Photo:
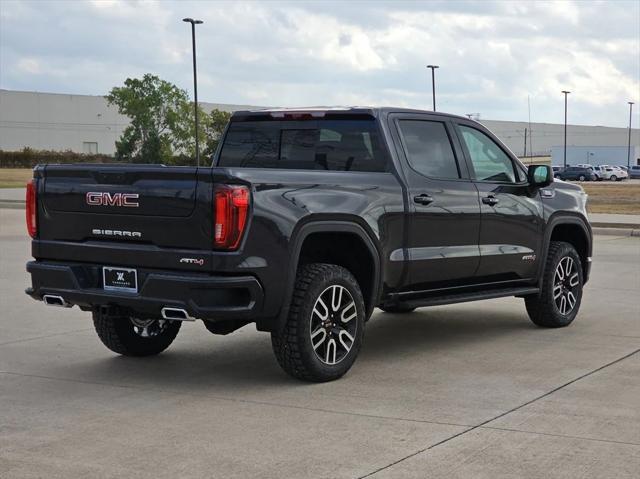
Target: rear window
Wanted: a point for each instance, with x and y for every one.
(335, 145)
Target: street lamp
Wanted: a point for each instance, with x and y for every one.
(629, 144)
(433, 83)
(195, 78)
(565, 126)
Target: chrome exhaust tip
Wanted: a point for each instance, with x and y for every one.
(175, 314)
(55, 300)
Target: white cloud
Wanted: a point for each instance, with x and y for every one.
(491, 54)
(29, 65)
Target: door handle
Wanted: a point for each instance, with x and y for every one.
(490, 200)
(423, 199)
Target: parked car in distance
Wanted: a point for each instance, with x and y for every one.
(557, 170)
(620, 173)
(577, 173)
(600, 172)
(634, 172)
(612, 173)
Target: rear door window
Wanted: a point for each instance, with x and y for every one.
(429, 149)
(335, 145)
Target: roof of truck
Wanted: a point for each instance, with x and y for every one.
(322, 111)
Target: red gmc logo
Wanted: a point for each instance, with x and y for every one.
(102, 198)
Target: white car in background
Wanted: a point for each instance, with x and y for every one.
(600, 172)
(624, 174)
(612, 173)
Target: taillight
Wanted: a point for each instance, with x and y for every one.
(32, 209)
(231, 211)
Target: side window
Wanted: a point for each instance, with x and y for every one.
(429, 149)
(489, 161)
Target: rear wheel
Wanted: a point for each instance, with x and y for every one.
(323, 332)
(581, 178)
(131, 336)
(559, 300)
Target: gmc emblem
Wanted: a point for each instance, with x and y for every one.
(102, 198)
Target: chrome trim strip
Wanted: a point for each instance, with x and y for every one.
(462, 251)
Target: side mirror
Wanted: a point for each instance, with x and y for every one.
(540, 175)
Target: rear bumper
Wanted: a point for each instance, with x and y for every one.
(203, 296)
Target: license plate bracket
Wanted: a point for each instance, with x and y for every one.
(119, 279)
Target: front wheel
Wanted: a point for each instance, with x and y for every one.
(581, 178)
(323, 332)
(613, 178)
(559, 300)
(132, 336)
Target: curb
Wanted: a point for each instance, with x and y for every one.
(13, 204)
(617, 231)
(601, 224)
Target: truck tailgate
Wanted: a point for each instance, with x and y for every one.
(126, 209)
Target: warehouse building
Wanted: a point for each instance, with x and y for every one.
(87, 124)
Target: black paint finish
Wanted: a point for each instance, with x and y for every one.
(452, 240)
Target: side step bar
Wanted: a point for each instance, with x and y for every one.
(467, 296)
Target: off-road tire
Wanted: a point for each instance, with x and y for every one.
(542, 308)
(292, 344)
(118, 334)
(398, 309)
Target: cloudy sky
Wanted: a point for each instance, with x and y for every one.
(492, 55)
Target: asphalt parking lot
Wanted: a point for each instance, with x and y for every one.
(472, 390)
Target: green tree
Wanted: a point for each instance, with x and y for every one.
(214, 124)
(159, 124)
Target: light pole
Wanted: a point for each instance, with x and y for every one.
(433, 83)
(629, 144)
(565, 126)
(195, 78)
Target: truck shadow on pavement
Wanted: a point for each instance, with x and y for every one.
(245, 359)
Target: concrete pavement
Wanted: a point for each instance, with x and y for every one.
(12, 194)
(472, 390)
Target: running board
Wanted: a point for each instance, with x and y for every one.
(468, 296)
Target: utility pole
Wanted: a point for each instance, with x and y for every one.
(433, 83)
(525, 143)
(195, 79)
(565, 126)
(629, 144)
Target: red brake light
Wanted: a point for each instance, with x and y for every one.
(32, 208)
(231, 210)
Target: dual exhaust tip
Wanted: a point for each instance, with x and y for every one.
(55, 300)
(176, 314)
(173, 314)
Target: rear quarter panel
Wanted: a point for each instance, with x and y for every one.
(284, 200)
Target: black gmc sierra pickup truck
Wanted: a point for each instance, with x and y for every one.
(307, 221)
